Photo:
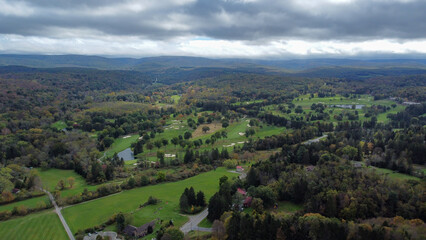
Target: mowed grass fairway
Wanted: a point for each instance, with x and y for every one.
(37, 226)
(95, 212)
(121, 144)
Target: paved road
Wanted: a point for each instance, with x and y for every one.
(58, 211)
(315, 140)
(194, 220)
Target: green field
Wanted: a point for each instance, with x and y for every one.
(394, 175)
(288, 207)
(29, 203)
(37, 226)
(95, 212)
(51, 177)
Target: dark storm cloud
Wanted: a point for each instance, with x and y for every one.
(229, 20)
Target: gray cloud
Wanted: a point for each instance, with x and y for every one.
(229, 20)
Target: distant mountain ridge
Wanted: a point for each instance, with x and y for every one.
(166, 62)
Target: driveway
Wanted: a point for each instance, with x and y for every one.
(194, 220)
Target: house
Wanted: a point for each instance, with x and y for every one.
(141, 231)
(240, 169)
(241, 191)
(247, 202)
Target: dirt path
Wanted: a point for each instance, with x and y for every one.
(58, 211)
(194, 220)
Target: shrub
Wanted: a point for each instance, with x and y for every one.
(230, 164)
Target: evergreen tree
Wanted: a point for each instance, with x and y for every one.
(201, 199)
(183, 203)
(217, 206)
(192, 201)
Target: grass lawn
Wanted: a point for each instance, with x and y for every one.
(37, 226)
(29, 203)
(288, 207)
(205, 223)
(394, 175)
(95, 212)
(59, 125)
(121, 144)
(51, 177)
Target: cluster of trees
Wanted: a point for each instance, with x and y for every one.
(24, 181)
(221, 201)
(336, 189)
(206, 156)
(189, 202)
(277, 141)
(23, 210)
(86, 195)
(313, 226)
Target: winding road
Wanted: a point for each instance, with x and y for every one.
(58, 211)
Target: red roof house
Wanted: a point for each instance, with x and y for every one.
(241, 191)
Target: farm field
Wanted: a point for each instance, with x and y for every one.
(98, 211)
(29, 203)
(37, 226)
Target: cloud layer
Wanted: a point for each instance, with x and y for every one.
(228, 28)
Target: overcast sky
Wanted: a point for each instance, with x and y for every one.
(214, 28)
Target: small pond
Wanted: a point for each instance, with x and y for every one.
(126, 155)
